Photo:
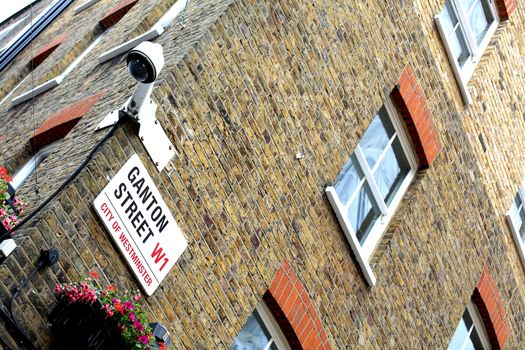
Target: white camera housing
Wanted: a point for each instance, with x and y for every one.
(144, 64)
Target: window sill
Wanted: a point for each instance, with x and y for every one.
(360, 255)
(158, 28)
(128, 45)
(84, 6)
(48, 85)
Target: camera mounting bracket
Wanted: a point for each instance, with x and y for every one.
(153, 137)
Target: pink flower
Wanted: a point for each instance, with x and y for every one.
(128, 305)
(136, 297)
(132, 316)
(143, 339)
(138, 326)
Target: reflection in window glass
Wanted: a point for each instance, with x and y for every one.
(380, 161)
(470, 333)
(261, 332)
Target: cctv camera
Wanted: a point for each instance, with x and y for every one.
(145, 62)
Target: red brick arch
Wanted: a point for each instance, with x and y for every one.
(60, 124)
(116, 13)
(410, 101)
(294, 312)
(490, 307)
(46, 50)
(505, 8)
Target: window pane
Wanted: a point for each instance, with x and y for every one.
(454, 33)
(348, 180)
(474, 341)
(479, 19)
(459, 46)
(448, 18)
(459, 336)
(391, 172)
(254, 335)
(466, 4)
(362, 213)
(517, 214)
(376, 137)
(462, 339)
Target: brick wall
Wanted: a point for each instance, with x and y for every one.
(241, 94)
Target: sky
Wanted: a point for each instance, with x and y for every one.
(10, 7)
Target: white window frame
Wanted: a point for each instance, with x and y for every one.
(477, 323)
(514, 227)
(273, 327)
(86, 4)
(365, 252)
(464, 74)
(6, 97)
(156, 30)
(31, 165)
(50, 84)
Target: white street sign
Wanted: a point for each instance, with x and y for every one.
(141, 224)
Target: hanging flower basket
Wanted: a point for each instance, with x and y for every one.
(104, 318)
(10, 207)
(84, 327)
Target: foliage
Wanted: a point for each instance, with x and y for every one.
(8, 217)
(122, 307)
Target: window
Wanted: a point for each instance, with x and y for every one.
(48, 85)
(155, 31)
(35, 26)
(466, 27)
(368, 190)
(31, 165)
(470, 333)
(261, 332)
(516, 219)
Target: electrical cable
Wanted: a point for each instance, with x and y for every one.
(68, 180)
(47, 258)
(19, 289)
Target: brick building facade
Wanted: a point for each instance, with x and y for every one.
(265, 102)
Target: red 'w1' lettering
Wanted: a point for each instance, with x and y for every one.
(158, 252)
